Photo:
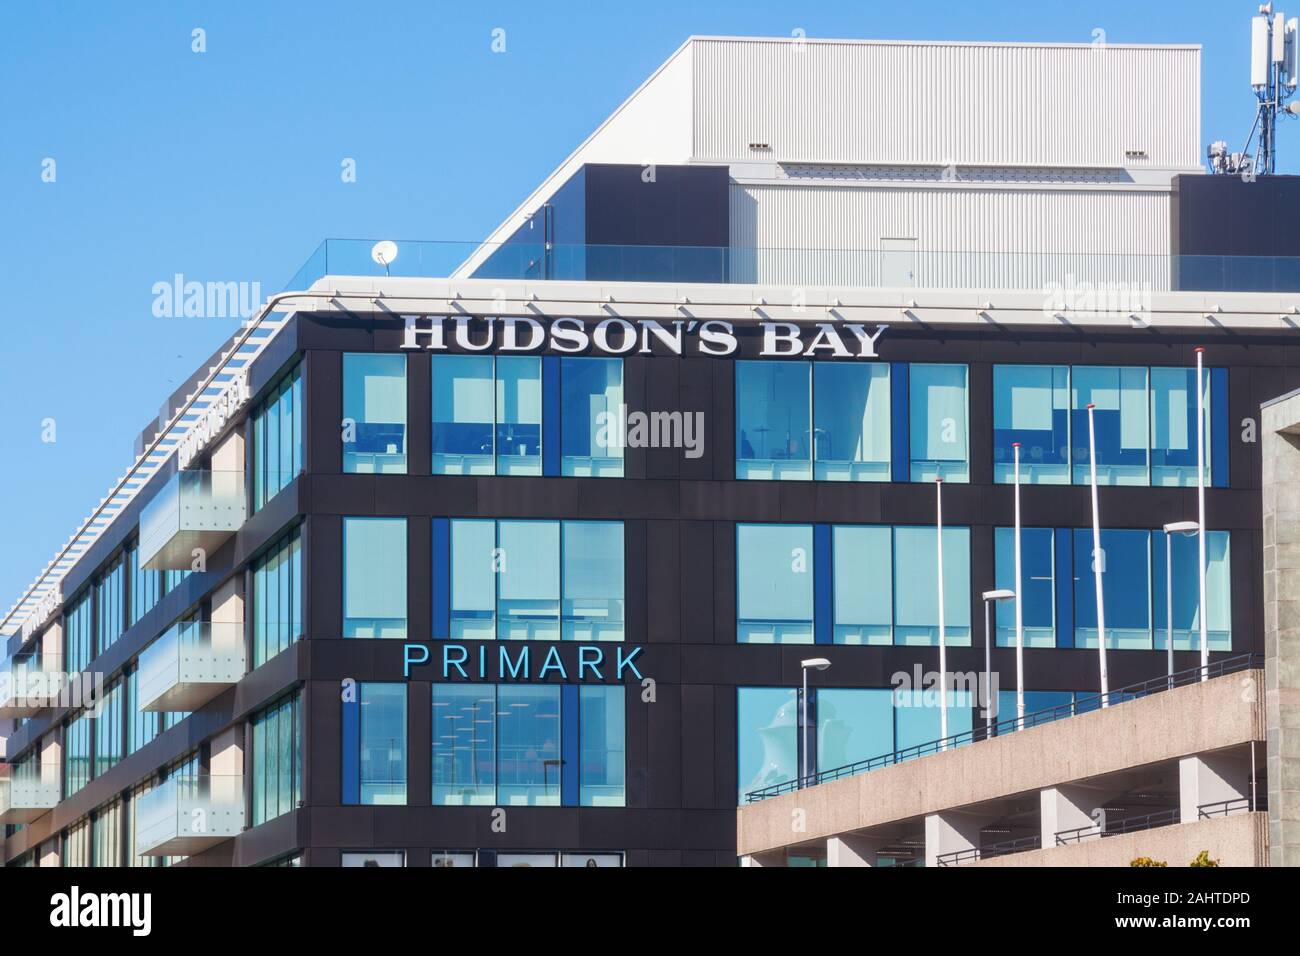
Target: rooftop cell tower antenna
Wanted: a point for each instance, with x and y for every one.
(1274, 73)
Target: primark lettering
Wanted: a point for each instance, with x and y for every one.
(615, 336)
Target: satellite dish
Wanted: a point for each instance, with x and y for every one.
(384, 253)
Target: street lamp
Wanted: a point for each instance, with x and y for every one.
(818, 663)
(1001, 594)
(1171, 529)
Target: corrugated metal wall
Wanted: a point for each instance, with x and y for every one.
(939, 103)
(965, 238)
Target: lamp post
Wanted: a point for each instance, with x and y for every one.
(1200, 508)
(943, 648)
(818, 663)
(1020, 615)
(1171, 529)
(1097, 556)
(1001, 594)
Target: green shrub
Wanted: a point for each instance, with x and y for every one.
(1203, 859)
(1147, 861)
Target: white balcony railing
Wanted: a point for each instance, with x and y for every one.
(25, 797)
(190, 664)
(189, 813)
(194, 511)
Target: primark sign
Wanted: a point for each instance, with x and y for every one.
(522, 662)
(617, 336)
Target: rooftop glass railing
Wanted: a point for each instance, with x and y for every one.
(191, 663)
(1080, 281)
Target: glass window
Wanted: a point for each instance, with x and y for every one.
(526, 860)
(76, 754)
(106, 835)
(473, 580)
(464, 744)
(442, 859)
(463, 414)
(77, 634)
(108, 730)
(853, 725)
(774, 584)
(277, 760)
(1031, 405)
(918, 716)
(277, 438)
(1173, 426)
(528, 742)
(277, 598)
(1120, 423)
(519, 415)
(916, 592)
(1037, 585)
(767, 737)
(110, 606)
(374, 413)
(1187, 598)
(773, 419)
(76, 844)
(133, 858)
(591, 859)
(593, 580)
(146, 586)
(1035, 701)
(591, 399)
(374, 577)
(374, 858)
(851, 421)
(528, 600)
(383, 743)
(939, 422)
(864, 601)
(142, 725)
(601, 743)
(1125, 562)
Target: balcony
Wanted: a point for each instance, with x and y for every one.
(187, 814)
(190, 664)
(195, 510)
(29, 684)
(25, 796)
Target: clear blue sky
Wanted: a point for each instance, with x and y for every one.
(225, 166)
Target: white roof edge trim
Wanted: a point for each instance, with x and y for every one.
(1013, 44)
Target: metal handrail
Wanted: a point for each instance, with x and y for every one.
(990, 850)
(1079, 705)
(1146, 821)
(1223, 808)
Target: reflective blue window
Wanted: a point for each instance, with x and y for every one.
(1037, 585)
(1031, 405)
(76, 754)
(528, 599)
(110, 606)
(601, 742)
(528, 743)
(464, 744)
(383, 743)
(1186, 591)
(1120, 423)
(463, 414)
(518, 415)
(277, 598)
(937, 404)
(864, 595)
(374, 413)
(108, 730)
(374, 577)
(277, 760)
(767, 737)
(142, 725)
(77, 637)
(853, 725)
(593, 580)
(773, 419)
(473, 580)
(1035, 701)
(918, 717)
(1125, 563)
(774, 584)
(1173, 426)
(277, 439)
(591, 396)
(851, 425)
(916, 592)
(145, 585)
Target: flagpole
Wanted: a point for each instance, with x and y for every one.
(943, 650)
(1097, 556)
(1020, 618)
(1200, 509)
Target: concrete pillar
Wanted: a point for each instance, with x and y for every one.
(1280, 450)
(1210, 778)
(949, 832)
(772, 858)
(52, 647)
(51, 758)
(852, 849)
(1068, 807)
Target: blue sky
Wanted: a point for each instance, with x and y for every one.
(224, 166)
